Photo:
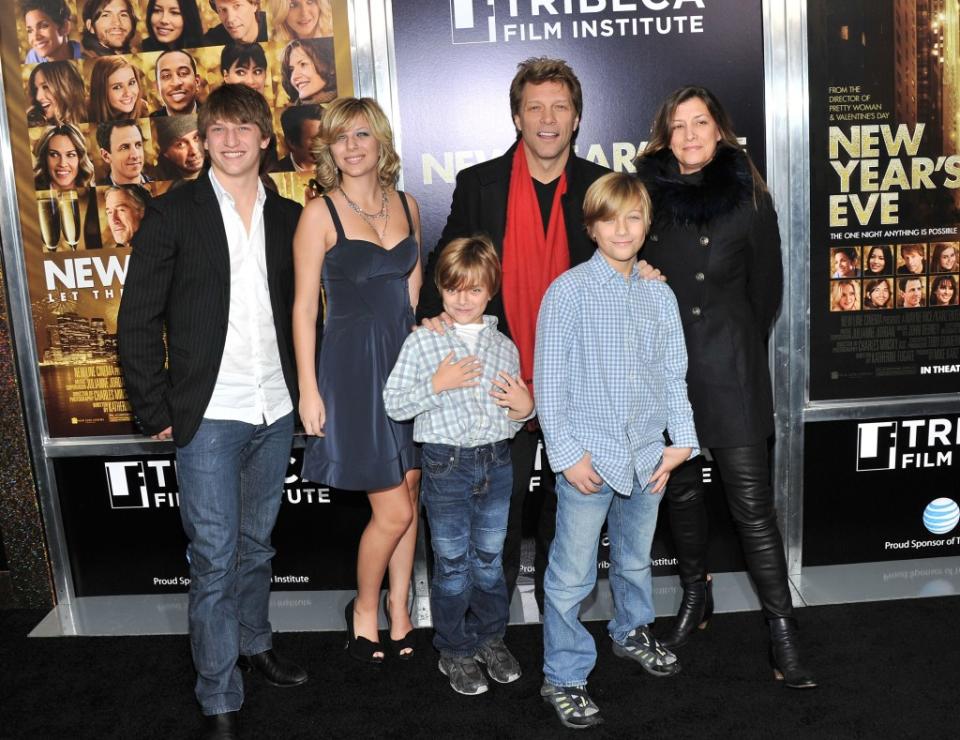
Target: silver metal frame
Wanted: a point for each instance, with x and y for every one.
(21, 322)
(788, 175)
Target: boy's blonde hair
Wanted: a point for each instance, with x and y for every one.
(467, 262)
(616, 192)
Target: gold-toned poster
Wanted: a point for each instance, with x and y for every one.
(884, 198)
(101, 101)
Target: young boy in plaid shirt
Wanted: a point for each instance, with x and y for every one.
(465, 390)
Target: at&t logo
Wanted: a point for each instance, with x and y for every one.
(941, 516)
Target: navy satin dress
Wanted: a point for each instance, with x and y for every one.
(368, 317)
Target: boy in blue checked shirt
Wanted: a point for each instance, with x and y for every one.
(609, 374)
(465, 390)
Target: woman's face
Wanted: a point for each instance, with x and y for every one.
(876, 262)
(944, 293)
(693, 135)
(880, 295)
(112, 25)
(848, 297)
(47, 38)
(123, 91)
(303, 17)
(948, 259)
(63, 162)
(842, 265)
(166, 20)
(304, 75)
(355, 150)
(46, 98)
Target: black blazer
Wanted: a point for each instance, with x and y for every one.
(720, 251)
(480, 206)
(178, 280)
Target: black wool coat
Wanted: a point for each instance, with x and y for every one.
(178, 286)
(719, 246)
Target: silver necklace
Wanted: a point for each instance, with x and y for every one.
(383, 213)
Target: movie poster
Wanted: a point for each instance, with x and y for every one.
(101, 99)
(884, 196)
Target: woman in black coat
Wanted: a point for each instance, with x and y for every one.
(715, 237)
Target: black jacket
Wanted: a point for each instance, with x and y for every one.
(179, 280)
(480, 207)
(720, 250)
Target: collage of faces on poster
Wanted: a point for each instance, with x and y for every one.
(113, 88)
(886, 276)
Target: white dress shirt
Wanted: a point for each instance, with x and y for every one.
(250, 385)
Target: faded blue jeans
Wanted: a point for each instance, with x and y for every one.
(569, 650)
(231, 485)
(466, 492)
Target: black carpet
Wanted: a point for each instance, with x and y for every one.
(887, 670)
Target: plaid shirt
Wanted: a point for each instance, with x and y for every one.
(463, 417)
(609, 373)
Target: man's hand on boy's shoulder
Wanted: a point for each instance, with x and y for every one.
(437, 324)
(582, 476)
(673, 457)
(452, 373)
(649, 272)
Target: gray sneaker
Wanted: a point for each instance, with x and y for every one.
(465, 675)
(643, 647)
(573, 705)
(501, 665)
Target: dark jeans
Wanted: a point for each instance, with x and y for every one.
(466, 492)
(231, 485)
(745, 472)
(523, 450)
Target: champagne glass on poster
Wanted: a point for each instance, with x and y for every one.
(70, 218)
(48, 209)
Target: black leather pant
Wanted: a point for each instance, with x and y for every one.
(745, 473)
(523, 449)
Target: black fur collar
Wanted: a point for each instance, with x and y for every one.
(715, 191)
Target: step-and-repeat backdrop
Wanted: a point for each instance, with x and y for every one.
(884, 276)
(883, 174)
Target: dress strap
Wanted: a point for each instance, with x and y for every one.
(336, 219)
(406, 210)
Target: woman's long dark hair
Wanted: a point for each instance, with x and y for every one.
(661, 129)
(192, 35)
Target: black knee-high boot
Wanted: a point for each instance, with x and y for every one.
(745, 473)
(689, 527)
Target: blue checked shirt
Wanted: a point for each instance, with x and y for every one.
(462, 417)
(609, 373)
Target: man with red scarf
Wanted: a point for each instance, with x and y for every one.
(530, 203)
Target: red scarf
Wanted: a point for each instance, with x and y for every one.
(531, 259)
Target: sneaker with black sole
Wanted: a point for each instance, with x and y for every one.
(502, 667)
(642, 647)
(573, 705)
(465, 675)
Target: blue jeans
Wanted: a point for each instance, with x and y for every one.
(466, 491)
(569, 651)
(231, 485)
